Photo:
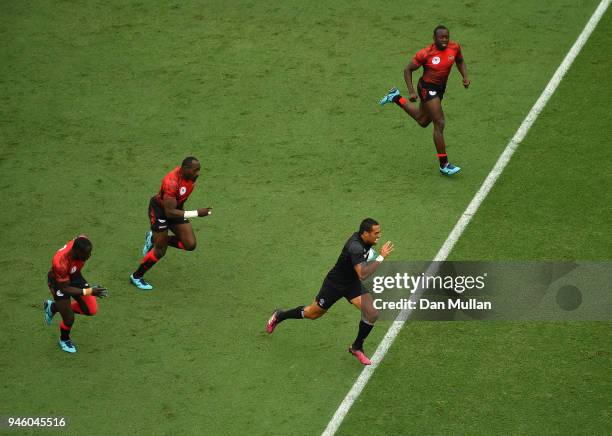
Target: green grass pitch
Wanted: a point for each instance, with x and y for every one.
(98, 100)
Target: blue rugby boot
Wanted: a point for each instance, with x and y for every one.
(148, 243)
(140, 283)
(393, 92)
(449, 169)
(67, 346)
(48, 313)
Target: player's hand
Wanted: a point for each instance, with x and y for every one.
(386, 249)
(204, 211)
(99, 291)
(466, 83)
(412, 96)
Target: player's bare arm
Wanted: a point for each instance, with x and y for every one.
(462, 67)
(96, 290)
(171, 210)
(366, 269)
(410, 68)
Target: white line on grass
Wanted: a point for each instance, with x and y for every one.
(464, 220)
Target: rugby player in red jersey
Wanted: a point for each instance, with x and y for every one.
(437, 61)
(65, 281)
(166, 212)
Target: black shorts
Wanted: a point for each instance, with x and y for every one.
(77, 280)
(429, 91)
(330, 293)
(157, 216)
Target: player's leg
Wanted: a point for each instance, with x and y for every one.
(85, 305)
(434, 107)
(148, 244)
(369, 315)
(49, 310)
(159, 222)
(49, 307)
(365, 304)
(424, 118)
(313, 311)
(325, 299)
(64, 308)
(184, 237)
(418, 113)
(160, 244)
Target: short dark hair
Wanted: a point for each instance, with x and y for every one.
(82, 245)
(188, 161)
(440, 27)
(366, 225)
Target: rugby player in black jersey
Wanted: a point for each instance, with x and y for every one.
(344, 280)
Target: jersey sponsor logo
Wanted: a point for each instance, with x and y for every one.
(59, 293)
(161, 220)
(435, 60)
(182, 190)
(432, 92)
(73, 270)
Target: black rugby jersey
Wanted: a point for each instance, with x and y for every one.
(354, 252)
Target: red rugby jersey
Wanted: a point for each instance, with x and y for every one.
(436, 63)
(63, 265)
(173, 185)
